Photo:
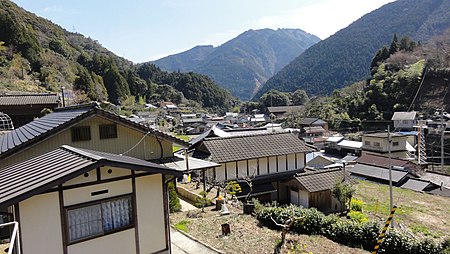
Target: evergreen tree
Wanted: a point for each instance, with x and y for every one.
(394, 45)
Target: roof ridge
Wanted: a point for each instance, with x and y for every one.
(83, 153)
(321, 171)
(248, 135)
(31, 94)
(79, 106)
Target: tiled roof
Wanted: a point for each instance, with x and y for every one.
(59, 120)
(382, 161)
(320, 180)
(377, 172)
(308, 121)
(238, 148)
(29, 99)
(38, 174)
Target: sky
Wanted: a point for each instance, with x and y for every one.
(146, 30)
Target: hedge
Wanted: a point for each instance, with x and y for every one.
(347, 232)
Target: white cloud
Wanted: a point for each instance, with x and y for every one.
(322, 19)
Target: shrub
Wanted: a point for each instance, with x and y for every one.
(357, 216)
(359, 232)
(356, 205)
(174, 202)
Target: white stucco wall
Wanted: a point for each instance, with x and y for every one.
(116, 243)
(150, 212)
(291, 162)
(242, 169)
(253, 167)
(40, 224)
(263, 169)
(231, 170)
(220, 173)
(282, 163)
(272, 164)
(83, 195)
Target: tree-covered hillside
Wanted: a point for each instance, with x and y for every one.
(409, 77)
(37, 55)
(345, 57)
(242, 64)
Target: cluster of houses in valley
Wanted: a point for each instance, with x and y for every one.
(81, 179)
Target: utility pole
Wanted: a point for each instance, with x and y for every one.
(390, 170)
(442, 139)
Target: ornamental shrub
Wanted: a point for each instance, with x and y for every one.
(174, 202)
(355, 233)
(356, 205)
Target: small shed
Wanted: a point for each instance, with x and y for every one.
(313, 189)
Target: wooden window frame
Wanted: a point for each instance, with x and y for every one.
(99, 202)
(81, 133)
(107, 131)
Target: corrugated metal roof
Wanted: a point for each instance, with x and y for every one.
(320, 180)
(382, 161)
(377, 172)
(350, 144)
(398, 116)
(178, 162)
(285, 109)
(29, 99)
(61, 119)
(238, 148)
(33, 176)
(415, 184)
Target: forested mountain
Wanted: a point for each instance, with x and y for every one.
(242, 64)
(37, 55)
(407, 77)
(345, 57)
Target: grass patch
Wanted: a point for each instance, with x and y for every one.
(182, 225)
(183, 137)
(415, 209)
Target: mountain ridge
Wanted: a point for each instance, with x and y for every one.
(244, 62)
(345, 57)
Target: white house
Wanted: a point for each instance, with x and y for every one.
(77, 201)
(378, 143)
(404, 120)
(267, 158)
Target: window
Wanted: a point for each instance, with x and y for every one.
(99, 218)
(405, 122)
(367, 143)
(395, 143)
(81, 133)
(108, 131)
(377, 144)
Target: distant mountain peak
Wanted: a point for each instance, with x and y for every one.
(243, 63)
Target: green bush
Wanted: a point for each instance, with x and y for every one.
(356, 205)
(357, 216)
(174, 202)
(360, 232)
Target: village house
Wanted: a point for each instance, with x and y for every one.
(313, 122)
(75, 201)
(313, 189)
(378, 143)
(404, 120)
(266, 158)
(23, 108)
(282, 112)
(85, 126)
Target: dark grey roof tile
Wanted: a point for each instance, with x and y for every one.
(237, 148)
(50, 169)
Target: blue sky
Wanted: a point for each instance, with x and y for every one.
(144, 30)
